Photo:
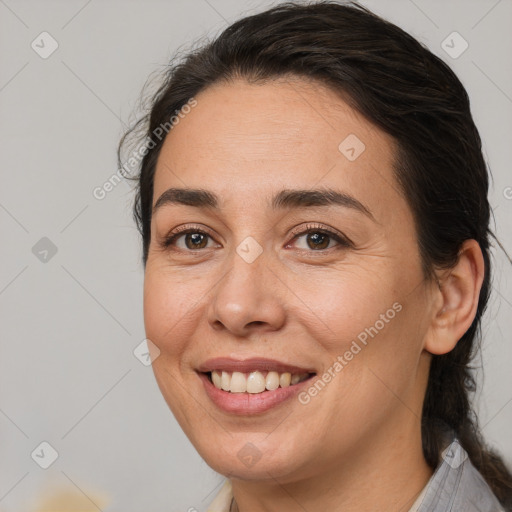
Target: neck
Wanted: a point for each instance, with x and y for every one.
(385, 473)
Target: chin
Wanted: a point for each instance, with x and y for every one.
(245, 461)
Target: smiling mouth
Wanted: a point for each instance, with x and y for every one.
(255, 382)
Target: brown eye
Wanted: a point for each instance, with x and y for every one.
(187, 240)
(317, 240)
(196, 240)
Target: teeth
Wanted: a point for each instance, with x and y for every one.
(217, 380)
(254, 382)
(272, 381)
(225, 381)
(238, 383)
(284, 379)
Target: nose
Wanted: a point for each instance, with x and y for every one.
(248, 299)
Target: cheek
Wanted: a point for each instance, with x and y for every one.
(342, 305)
(366, 332)
(378, 352)
(169, 303)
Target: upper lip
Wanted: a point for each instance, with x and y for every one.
(249, 365)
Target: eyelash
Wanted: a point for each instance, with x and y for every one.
(343, 241)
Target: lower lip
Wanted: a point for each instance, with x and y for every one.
(249, 403)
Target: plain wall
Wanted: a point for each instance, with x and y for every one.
(69, 325)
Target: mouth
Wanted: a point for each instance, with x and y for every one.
(255, 382)
(252, 385)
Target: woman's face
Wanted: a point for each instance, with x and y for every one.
(268, 281)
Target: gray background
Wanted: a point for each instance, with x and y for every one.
(70, 323)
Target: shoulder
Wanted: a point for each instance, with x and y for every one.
(457, 486)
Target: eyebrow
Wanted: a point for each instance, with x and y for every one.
(285, 199)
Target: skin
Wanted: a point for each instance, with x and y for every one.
(355, 446)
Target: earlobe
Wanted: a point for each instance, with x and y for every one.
(456, 300)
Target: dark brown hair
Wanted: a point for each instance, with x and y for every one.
(409, 93)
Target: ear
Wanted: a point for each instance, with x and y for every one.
(456, 300)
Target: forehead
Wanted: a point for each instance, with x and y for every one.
(242, 138)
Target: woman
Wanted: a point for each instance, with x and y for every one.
(312, 200)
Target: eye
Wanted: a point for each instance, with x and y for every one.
(317, 238)
(188, 239)
(313, 238)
